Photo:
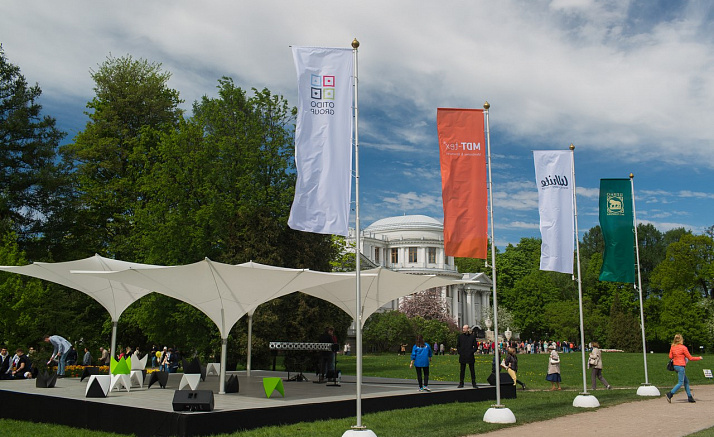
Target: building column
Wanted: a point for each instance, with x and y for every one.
(453, 289)
(469, 308)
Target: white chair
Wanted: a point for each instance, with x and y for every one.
(189, 379)
(138, 364)
(138, 377)
(214, 368)
(104, 381)
(121, 380)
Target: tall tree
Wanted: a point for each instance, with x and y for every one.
(132, 106)
(221, 186)
(30, 175)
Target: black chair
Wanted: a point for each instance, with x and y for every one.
(161, 377)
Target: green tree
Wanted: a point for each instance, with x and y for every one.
(221, 186)
(133, 104)
(30, 176)
(386, 331)
(683, 313)
(535, 292)
(562, 319)
(688, 265)
(623, 328)
(515, 263)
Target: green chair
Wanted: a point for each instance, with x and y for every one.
(272, 384)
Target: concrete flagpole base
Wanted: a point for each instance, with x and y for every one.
(499, 414)
(359, 433)
(647, 390)
(586, 400)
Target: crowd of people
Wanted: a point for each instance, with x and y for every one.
(23, 365)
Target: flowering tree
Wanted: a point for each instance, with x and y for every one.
(428, 304)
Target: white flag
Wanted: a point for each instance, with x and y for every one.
(323, 140)
(553, 171)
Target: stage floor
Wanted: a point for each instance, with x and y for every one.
(145, 411)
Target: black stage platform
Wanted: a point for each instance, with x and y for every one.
(149, 412)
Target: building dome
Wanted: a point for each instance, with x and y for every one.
(404, 222)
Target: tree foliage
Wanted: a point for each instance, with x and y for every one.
(31, 178)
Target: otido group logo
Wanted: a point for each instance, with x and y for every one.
(322, 92)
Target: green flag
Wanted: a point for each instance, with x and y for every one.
(617, 223)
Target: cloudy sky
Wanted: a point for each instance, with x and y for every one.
(629, 83)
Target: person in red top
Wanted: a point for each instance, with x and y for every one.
(680, 355)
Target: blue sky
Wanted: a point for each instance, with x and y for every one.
(629, 83)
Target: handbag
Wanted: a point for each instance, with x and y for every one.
(670, 366)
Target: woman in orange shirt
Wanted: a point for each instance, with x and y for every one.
(680, 355)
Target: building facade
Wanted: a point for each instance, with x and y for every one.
(415, 244)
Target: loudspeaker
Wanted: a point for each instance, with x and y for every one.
(505, 379)
(193, 400)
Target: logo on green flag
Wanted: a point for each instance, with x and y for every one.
(617, 224)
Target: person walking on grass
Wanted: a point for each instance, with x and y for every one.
(595, 364)
(553, 368)
(510, 363)
(679, 354)
(421, 356)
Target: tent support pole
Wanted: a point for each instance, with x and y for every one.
(112, 351)
(222, 382)
(250, 344)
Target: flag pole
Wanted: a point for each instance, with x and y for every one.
(645, 389)
(584, 399)
(497, 413)
(358, 429)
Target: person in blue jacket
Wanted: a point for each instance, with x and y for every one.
(421, 356)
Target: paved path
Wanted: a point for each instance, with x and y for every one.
(652, 418)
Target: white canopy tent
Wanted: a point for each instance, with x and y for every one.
(223, 292)
(227, 292)
(378, 286)
(114, 296)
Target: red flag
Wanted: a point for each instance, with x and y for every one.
(462, 152)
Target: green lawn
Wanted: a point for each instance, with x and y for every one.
(620, 369)
(624, 371)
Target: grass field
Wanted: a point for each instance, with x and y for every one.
(624, 371)
(620, 369)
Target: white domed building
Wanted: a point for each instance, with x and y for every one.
(415, 244)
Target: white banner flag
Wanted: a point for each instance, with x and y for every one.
(323, 140)
(553, 171)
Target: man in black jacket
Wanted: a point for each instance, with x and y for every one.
(466, 346)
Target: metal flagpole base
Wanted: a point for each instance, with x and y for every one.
(359, 432)
(647, 390)
(499, 414)
(586, 400)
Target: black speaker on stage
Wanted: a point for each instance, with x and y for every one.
(505, 379)
(193, 400)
